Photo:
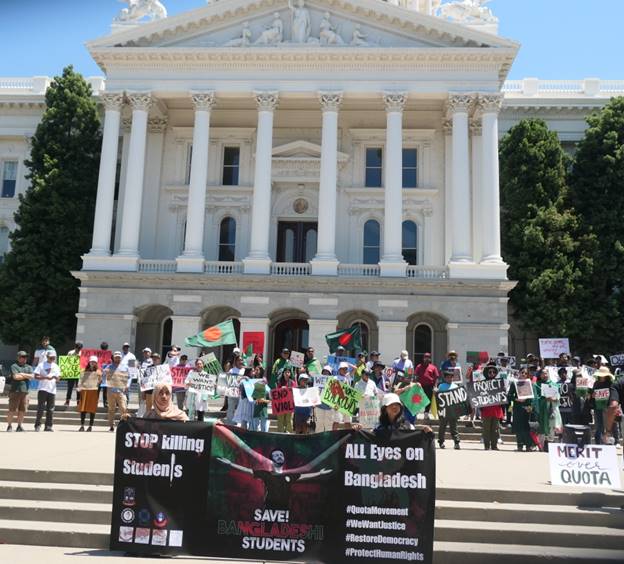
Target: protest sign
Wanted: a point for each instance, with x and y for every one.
(583, 385)
(70, 367)
(594, 466)
(565, 398)
(89, 381)
(454, 402)
(255, 339)
(334, 361)
(320, 380)
(524, 389)
(249, 504)
(552, 348)
(500, 360)
(617, 359)
(179, 374)
(104, 357)
(202, 382)
(549, 392)
(457, 374)
(368, 415)
(553, 374)
(211, 364)
(487, 392)
(341, 396)
(259, 390)
(478, 376)
(601, 398)
(118, 379)
(232, 386)
(297, 359)
(414, 398)
(2, 384)
(154, 375)
(307, 397)
(282, 400)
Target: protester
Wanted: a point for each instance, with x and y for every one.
(48, 374)
(103, 390)
(173, 357)
(72, 382)
(447, 416)
(491, 416)
(180, 391)
(581, 404)
(547, 411)
(403, 363)
(373, 357)
(232, 392)
(302, 415)
(342, 420)
(427, 375)
(147, 358)
(127, 358)
(377, 375)
(366, 386)
(285, 420)
(21, 373)
(116, 396)
(450, 362)
(391, 417)
(148, 395)
(522, 410)
(614, 410)
(40, 353)
(278, 367)
(88, 399)
(604, 381)
(311, 363)
(196, 402)
(245, 408)
(163, 405)
(323, 413)
(260, 421)
(360, 366)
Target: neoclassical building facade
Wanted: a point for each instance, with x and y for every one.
(300, 169)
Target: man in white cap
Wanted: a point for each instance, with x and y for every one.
(147, 358)
(48, 374)
(127, 357)
(403, 364)
(116, 395)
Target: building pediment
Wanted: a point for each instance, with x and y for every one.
(299, 161)
(302, 150)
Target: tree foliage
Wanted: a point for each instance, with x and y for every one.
(54, 219)
(542, 240)
(597, 193)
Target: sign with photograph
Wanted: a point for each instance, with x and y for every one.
(524, 389)
(297, 359)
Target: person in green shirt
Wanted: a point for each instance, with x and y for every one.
(21, 374)
(311, 363)
(278, 367)
(262, 398)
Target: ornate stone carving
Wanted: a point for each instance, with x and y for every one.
(300, 205)
(138, 10)
(301, 23)
(475, 125)
(427, 212)
(467, 11)
(395, 101)
(490, 102)
(328, 34)
(460, 102)
(203, 100)
(126, 124)
(244, 40)
(157, 124)
(267, 101)
(330, 101)
(447, 126)
(141, 101)
(358, 39)
(112, 100)
(274, 34)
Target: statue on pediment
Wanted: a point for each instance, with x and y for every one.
(328, 34)
(467, 11)
(273, 35)
(244, 40)
(300, 22)
(140, 9)
(358, 39)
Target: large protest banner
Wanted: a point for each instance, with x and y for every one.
(104, 357)
(345, 496)
(70, 367)
(487, 392)
(594, 466)
(453, 402)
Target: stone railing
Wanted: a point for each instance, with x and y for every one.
(591, 87)
(222, 267)
(358, 269)
(37, 85)
(157, 265)
(290, 268)
(427, 272)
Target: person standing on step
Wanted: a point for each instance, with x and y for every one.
(72, 382)
(491, 415)
(427, 374)
(116, 395)
(104, 347)
(48, 374)
(40, 353)
(448, 416)
(522, 409)
(285, 420)
(21, 373)
(88, 398)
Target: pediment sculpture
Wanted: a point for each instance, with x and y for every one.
(139, 10)
(467, 11)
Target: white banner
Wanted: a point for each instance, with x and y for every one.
(296, 359)
(307, 397)
(552, 348)
(154, 375)
(2, 383)
(595, 466)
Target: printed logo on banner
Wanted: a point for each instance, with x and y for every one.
(142, 536)
(126, 534)
(144, 516)
(160, 520)
(127, 515)
(129, 497)
(159, 537)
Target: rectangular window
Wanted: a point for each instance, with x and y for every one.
(189, 161)
(410, 171)
(231, 165)
(374, 160)
(9, 178)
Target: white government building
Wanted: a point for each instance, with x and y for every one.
(300, 167)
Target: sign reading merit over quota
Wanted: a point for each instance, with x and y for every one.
(344, 496)
(594, 466)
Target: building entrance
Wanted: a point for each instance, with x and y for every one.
(296, 241)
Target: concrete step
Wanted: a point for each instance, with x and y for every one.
(55, 511)
(55, 477)
(46, 533)
(55, 492)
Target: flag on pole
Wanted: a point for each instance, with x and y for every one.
(347, 338)
(215, 336)
(414, 399)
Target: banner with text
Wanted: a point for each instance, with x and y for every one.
(453, 403)
(104, 357)
(594, 466)
(345, 496)
(552, 348)
(487, 392)
(70, 367)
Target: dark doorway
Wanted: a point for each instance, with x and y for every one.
(291, 334)
(296, 241)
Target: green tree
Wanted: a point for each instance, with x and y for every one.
(54, 218)
(597, 192)
(542, 239)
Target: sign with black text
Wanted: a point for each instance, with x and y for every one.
(594, 466)
(453, 402)
(487, 392)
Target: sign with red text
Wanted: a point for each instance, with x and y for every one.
(282, 400)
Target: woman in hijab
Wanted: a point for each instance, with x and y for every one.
(163, 405)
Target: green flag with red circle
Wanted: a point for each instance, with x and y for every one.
(414, 398)
(350, 339)
(215, 336)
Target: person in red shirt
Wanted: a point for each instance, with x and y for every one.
(427, 374)
(491, 416)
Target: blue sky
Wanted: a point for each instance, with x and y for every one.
(564, 39)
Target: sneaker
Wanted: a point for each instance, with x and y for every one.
(457, 447)
(9, 428)
(111, 429)
(66, 402)
(81, 428)
(37, 428)
(19, 429)
(89, 429)
(49, 430)
(500, 441)
(441, 444)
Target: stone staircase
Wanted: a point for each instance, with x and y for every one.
(473, 526)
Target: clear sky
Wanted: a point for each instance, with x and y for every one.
(561, 39)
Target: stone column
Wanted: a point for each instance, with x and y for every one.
(461, 233)
(258, 261)
(128, 255)
(392, 263)
(490, 105)
(192, 258)
(183, 326)
(325, 262)
(253, 325)
(447, 129)
(391, 339)
(103, 221)
(317, 329)
(475, 181)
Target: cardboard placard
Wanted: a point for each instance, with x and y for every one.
(154, 375)
(282, 400)
(179, 374)
(487, 392)
(453, 402)
(552, 348)
(524, 388)
(89, 381)
(369, 412)
(117, 379)
(307, 397)
(297, 359)
(342, 397)
(70, 367)
(104, 357)
(595, 466)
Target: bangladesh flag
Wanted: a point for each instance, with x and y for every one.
(215, 336)
(414, 399)
(348, 338)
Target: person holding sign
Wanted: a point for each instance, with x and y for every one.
(117, 384)
(491, 415)
(71, 382)
(547, 403)
(302, 414)
(88, 392)
(520, 395)
(600, 399)
(21, 374)
(391, 417)
(448, 416)
(285, 420)
(48, 373)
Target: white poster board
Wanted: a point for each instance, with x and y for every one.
(307, 397)
(524, 389)
(595, 466)
(296, 359)
(550, 392)
(154, 375)
(2, 383)
(552, 348)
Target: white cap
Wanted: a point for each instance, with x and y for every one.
(117, 353)
(236, 350)
(389, 399)
(327, 368)
(343, 365)
(93, 358)
(148, 350)
(51, 353)
(125, 345)
(404, 354)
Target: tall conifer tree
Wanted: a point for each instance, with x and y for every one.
(54, 219)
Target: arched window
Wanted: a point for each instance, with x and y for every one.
(410, 242)
(423, 341)
(371, 242)
(227, 239)
(166, 336)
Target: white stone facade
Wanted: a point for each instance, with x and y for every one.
(298, 99)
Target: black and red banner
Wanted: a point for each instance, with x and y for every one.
(343, 496)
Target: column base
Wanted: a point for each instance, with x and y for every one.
(252, 265)
(324, 267)
(483, 271)
(396, 269)
(124, 263)
(189, 263)
(494, 270)
(96, 261)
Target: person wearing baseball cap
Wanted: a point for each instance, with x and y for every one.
(427, 374)
(48, 374)
(116, 395)
(392, 419)
(21, 373)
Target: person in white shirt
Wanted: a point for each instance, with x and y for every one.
(342, 421)
(40, 353)
(173, 357)
(403, 363)
(147, 358)
(48, 374)
(366, 386)
(126, 356)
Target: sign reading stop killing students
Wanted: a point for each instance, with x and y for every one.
(487, 392)
(594, 466)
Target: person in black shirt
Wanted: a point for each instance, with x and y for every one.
(616, 404)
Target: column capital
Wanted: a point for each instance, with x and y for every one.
(203, 100)
(475, 126)
(394, 101)
(157, 124)
(112, 100)
(490, 102)
(460, 102)
(447, 126)
(330, 101)
(140, 100)
(266, 100)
